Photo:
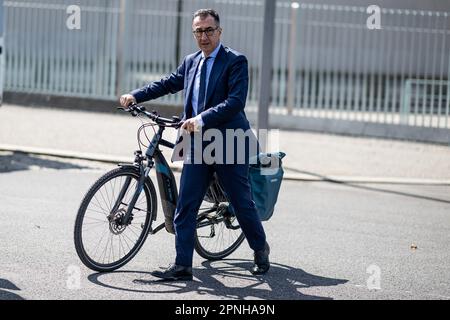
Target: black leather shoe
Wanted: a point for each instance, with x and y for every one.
(174, 273)
(261, 260)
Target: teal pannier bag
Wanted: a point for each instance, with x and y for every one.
(265, 176)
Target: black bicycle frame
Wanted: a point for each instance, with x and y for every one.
(166, 180)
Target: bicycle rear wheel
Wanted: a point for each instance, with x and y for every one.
(218, 233)
(103, 243)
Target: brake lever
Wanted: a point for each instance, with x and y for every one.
(129, 109)
(179, 124)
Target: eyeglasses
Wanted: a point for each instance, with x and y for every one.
(208, 31)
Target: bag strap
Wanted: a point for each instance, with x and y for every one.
(265, 159)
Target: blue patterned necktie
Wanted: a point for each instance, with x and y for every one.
(202, 90)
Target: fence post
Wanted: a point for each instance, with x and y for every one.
(447, 107)
(265, 81)
(178, 32)
(120, 49)
(291, 57)
(406, 96)
(2, 65)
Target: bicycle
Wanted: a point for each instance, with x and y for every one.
(119, 209)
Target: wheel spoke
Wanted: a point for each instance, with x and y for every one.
(223, 241)
(99, 206)
(103, 240)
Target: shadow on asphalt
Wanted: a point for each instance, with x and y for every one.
(6, 295)
(359, 186)
(18, 161)
(225, 279)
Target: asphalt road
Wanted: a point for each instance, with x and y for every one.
(328, 241)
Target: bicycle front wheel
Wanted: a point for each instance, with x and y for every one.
(102, 241)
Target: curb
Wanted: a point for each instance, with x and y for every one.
(104, 158)
(305, 177)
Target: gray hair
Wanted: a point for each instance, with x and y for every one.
(204, 13)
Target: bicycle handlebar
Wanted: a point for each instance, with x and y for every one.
(134, 109)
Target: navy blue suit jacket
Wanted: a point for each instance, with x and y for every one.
(224, 103)
(226, 92)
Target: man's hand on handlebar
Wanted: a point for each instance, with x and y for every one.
(135, 110)
(126, 100)
(191, 125)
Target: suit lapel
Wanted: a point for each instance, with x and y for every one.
(191, 77)
(216, 72)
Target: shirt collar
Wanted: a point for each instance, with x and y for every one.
(213, 55)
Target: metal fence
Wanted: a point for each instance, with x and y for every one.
(327, 63)
(2, 64)
(44, 56)
(398, 74)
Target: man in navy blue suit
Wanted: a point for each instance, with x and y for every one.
(215, 84)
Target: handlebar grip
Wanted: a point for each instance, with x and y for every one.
(135, 109)
(179, 124)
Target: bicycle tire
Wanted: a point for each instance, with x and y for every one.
(149, 193)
